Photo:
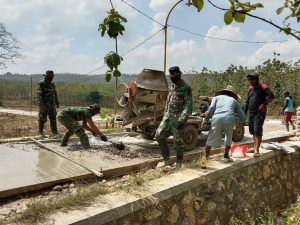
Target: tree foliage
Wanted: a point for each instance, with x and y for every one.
(93, 97)
(238, 11)
(68, 93)
(112, 60)
(9, 47)
(293, 6)
(278, 75)
(112, 25)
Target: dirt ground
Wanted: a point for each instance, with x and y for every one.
(14, 126)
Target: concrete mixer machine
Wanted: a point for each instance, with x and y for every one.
(144, 101)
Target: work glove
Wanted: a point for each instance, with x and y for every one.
(103, 138)
(179, 125)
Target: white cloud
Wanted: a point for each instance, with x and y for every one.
(289, 50)
(159, 17)
(161, 5)
(262, 35)
(184, 54)
(63, 35)
(221, 53)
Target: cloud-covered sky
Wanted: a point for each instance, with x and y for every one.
(63, 36)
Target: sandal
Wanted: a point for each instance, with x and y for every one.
(256, 154)
(251, 150)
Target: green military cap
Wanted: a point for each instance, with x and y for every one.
(95, 107)
(49, 73)
(174, 71)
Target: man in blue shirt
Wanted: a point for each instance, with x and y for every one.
(222, 115)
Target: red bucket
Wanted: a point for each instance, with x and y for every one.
(238, 151)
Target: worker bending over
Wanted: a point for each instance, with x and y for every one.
(69, 117)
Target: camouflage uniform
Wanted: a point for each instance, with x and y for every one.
(178, 107)
(47, 100)
(69, 118)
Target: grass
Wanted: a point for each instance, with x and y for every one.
(289, 216)
(292, 214)
(266, 218)
(38, 211)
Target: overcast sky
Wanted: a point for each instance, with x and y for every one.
(63, 36)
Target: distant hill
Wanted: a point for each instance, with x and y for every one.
(64, 77)
(71, 78)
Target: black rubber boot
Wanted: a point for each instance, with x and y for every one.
(164, 149)
(179, 156)
(65, 139)
(53, 126)
(84, 140)
(41, 128)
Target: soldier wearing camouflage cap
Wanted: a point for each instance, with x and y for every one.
(70, 118)
(48, 102)
(178, 107)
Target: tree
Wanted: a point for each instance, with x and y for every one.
(9, 49)
(239, 10)
(112, 25)
(94, 97)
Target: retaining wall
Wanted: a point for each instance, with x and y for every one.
(298, 122)
(197, 196)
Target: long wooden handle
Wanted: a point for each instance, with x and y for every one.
(40, 144)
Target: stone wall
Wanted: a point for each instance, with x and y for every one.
(273, 182)
(298, 122)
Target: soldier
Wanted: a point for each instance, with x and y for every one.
(69, 117)
(48, 102)
(178, 107)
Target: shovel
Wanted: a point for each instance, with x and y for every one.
(120, 146)
(40, 144)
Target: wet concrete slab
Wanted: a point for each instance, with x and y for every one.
(104, 156)
(24, 165)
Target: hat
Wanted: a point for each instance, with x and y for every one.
(229, 90)
(174, 71)
(49, 73)
(253, 75)
(95, 107)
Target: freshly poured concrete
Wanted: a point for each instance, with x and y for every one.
(102, 155)
(26, 165)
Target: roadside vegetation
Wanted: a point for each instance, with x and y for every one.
(80, 94)
(289, 216)
(278, 75)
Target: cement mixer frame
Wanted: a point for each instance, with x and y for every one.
(144, 102)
